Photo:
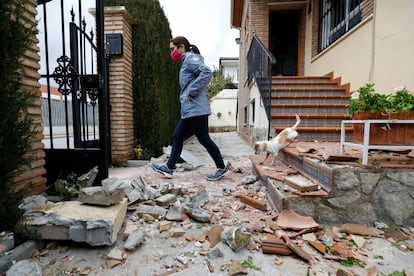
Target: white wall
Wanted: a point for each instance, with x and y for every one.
(225, 103)
(379, 50)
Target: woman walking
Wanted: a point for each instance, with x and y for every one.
(194, 77)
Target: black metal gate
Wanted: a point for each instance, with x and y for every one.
(74, 81)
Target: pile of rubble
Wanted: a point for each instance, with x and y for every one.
(193, 228)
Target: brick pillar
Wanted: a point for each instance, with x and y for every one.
(118, 20)
(32, 176)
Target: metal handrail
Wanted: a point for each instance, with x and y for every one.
(260, 62)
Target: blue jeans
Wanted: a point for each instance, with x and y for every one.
(199, 126)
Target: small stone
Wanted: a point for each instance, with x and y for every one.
(176, 232)
(164, 225)
(134, 240)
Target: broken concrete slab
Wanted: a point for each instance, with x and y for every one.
(96, 195)
(155, 211)
(21, 252)
(25, 267)
(300, 183)
(197, 214)
(72, 220)
(134, 240)
(166, 199)
(191, 159)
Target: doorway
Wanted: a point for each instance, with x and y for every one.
(283, 42)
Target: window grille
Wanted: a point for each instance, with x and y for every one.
(336, 18)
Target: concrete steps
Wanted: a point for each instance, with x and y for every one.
(321, 102)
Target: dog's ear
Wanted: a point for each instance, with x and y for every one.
(283, 137)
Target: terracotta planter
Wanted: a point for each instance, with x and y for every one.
(399, 134)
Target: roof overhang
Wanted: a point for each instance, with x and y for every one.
(236, 13)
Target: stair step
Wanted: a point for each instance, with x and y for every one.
(302, 85)
(308, 92)
(299, 79)
(316, 99)
(309, 89)
(327, 109)
(341, 116)
(315, 129)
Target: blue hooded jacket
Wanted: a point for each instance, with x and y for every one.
(194, 78)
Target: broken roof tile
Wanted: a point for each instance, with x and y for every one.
(288, 219)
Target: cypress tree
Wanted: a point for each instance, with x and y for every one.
(16, 130)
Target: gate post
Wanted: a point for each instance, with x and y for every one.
(32, 177)
(118, 20)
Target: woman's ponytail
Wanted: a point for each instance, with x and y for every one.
(194, 49)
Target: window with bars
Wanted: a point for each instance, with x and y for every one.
(336, 18)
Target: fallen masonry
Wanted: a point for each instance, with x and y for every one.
(73, 220)
(199, 223)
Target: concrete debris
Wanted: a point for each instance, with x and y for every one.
(97, 195)
(25, 267)
(185, 227)
(115, 257)
(113, 184)
(166, 199)
(199, 199)
(141, 191)
(88, 179)
(72, 220)
(6, 241)
(236, 238)
(155, 211)
(174, 212)
(30, 203)
(215, 253)
(134, 240)
(197, 214)
(249, 179)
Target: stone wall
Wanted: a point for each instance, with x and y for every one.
(363, 195)
(118, 20)
(32, 178)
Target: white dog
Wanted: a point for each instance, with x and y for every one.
(283, 139)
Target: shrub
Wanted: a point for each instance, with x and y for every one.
(16, 131)
(366, 99)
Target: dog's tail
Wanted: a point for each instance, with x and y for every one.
(297, 121)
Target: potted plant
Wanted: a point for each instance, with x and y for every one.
(366, 104)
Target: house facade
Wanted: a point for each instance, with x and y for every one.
(224, 104)
(352, 41)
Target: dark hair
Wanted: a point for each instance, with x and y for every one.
(178, 40)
